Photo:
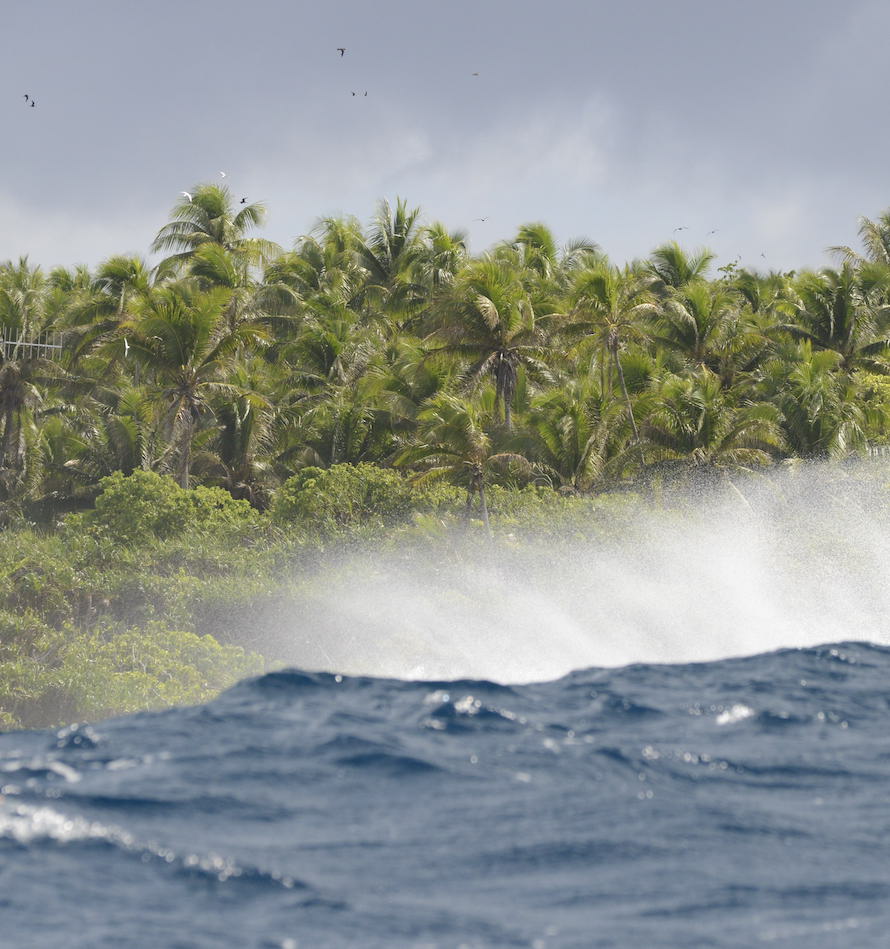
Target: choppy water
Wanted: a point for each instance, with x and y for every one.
(724, 804)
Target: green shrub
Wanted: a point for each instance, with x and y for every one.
(145, 506)
(95, 675)
(329, 500)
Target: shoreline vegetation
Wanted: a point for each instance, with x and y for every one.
(188, 447)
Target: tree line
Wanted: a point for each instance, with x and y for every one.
(234, 363)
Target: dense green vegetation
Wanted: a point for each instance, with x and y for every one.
(178, 443)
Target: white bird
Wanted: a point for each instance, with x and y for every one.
(222, 174)
(185, 194)
(126, 346)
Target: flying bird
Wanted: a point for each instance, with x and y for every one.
(480, 218)
(185, 194)
(684, 228)
(475, 74)
(33, 103)
(342, 51)
(712, 232)
(222, 174)
(26, 97)
(243, 201)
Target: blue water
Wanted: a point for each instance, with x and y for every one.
(728, 804)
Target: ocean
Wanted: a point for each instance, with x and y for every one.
(726, 804)
(676, 739)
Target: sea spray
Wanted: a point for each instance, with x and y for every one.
(794, 558)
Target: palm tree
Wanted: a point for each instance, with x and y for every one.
(184, 339)
(453, 444)
(209, 217)
(707, 325)
(442, 255)
(95, 310)
(609, 306)
(672, 268)
(27, 368)
(875, 237)
(486, 316)
(573, 434)
(695, 421)
(846, 311)
(391, 257)
(236, 456)
(824, 414)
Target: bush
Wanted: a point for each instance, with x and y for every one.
(329, 500)
(145, 506)
(95, 675)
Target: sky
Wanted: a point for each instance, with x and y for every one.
(758, 129)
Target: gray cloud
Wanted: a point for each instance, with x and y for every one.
(618, 122)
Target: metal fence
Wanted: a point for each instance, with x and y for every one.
(45, 345)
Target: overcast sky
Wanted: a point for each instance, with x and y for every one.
(764, 120)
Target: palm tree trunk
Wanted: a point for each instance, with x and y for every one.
(185, 452)
(10, 438)
(630, 411)
(484, 506)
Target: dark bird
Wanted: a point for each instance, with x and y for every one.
(26, 97)
(353, 93)
(480, 218)
(342, 51)
(243, 201)
(366, 91)
(684, 228)
(712, 232)
(475, 74)
(33, 103)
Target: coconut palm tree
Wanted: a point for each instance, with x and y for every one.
(573, 435)
(208, 216)
(846, 311)
(824, 414)
(185, 341)
(707, 325)
(875, 237)
(695, 421)
(610, 307)
(452, 444)
(487, 317)
(27, 368)
(237, 449)
(672, 268)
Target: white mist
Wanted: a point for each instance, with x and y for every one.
(798, 558)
